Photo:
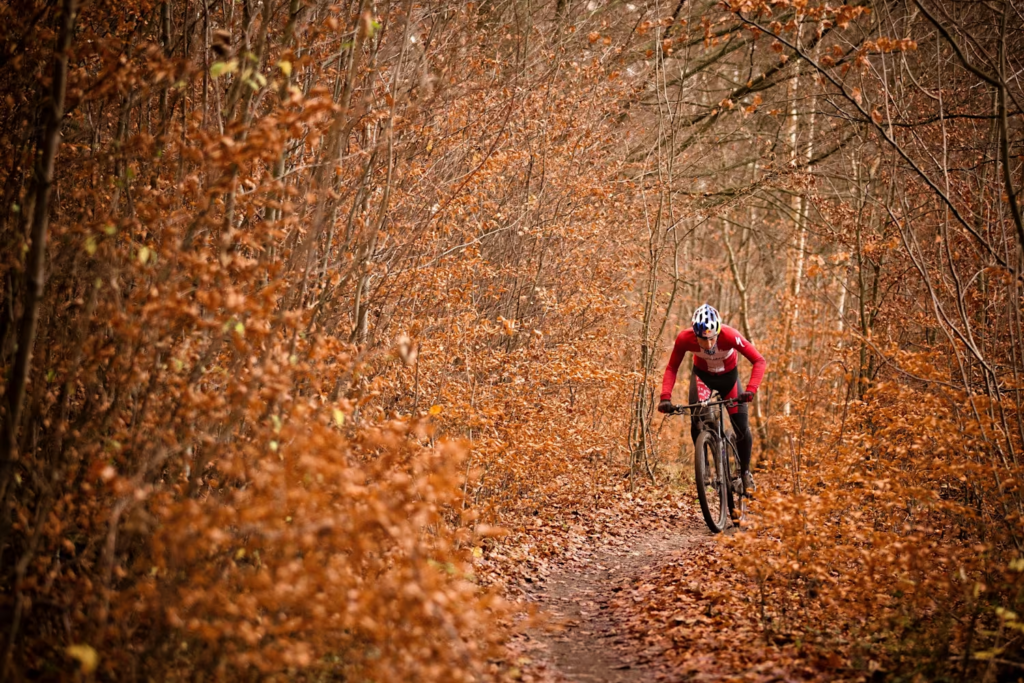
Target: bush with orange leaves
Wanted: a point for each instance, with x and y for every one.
(335, 555)
(268, 534)
(892, 536)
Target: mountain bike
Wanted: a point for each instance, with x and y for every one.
(716, 465)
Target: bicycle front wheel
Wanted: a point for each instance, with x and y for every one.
(711, 482)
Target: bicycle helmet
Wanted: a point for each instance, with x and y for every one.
(706, 322)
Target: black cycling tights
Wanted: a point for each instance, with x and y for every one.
(726, 384)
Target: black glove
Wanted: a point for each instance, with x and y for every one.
(665, 406)
(745, 397)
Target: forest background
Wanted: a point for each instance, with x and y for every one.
(323, 321)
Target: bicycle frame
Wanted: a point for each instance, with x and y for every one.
(717, 423)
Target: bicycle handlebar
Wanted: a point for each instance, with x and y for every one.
(681, 410)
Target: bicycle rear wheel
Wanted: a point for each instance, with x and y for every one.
(711, 485)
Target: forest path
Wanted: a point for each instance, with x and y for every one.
(592, 647)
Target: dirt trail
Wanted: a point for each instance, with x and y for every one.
(591, 648)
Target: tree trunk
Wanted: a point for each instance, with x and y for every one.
(35, 267)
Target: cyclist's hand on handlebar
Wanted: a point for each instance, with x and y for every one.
(665, 406)
(745, 397)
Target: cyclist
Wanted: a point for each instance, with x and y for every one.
(714, 348)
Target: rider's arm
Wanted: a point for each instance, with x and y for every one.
(669, 380)
(754, 356)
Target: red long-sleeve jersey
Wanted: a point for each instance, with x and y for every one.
(721, 358)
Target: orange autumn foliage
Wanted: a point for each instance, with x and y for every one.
(311, 314)
(304, 304)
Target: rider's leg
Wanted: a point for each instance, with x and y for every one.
(744, 439)
(741, 426)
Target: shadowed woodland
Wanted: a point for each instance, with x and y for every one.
(325, 325)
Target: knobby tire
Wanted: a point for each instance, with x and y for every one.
(711, 490)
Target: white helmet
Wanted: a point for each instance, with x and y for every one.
(706, 322)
